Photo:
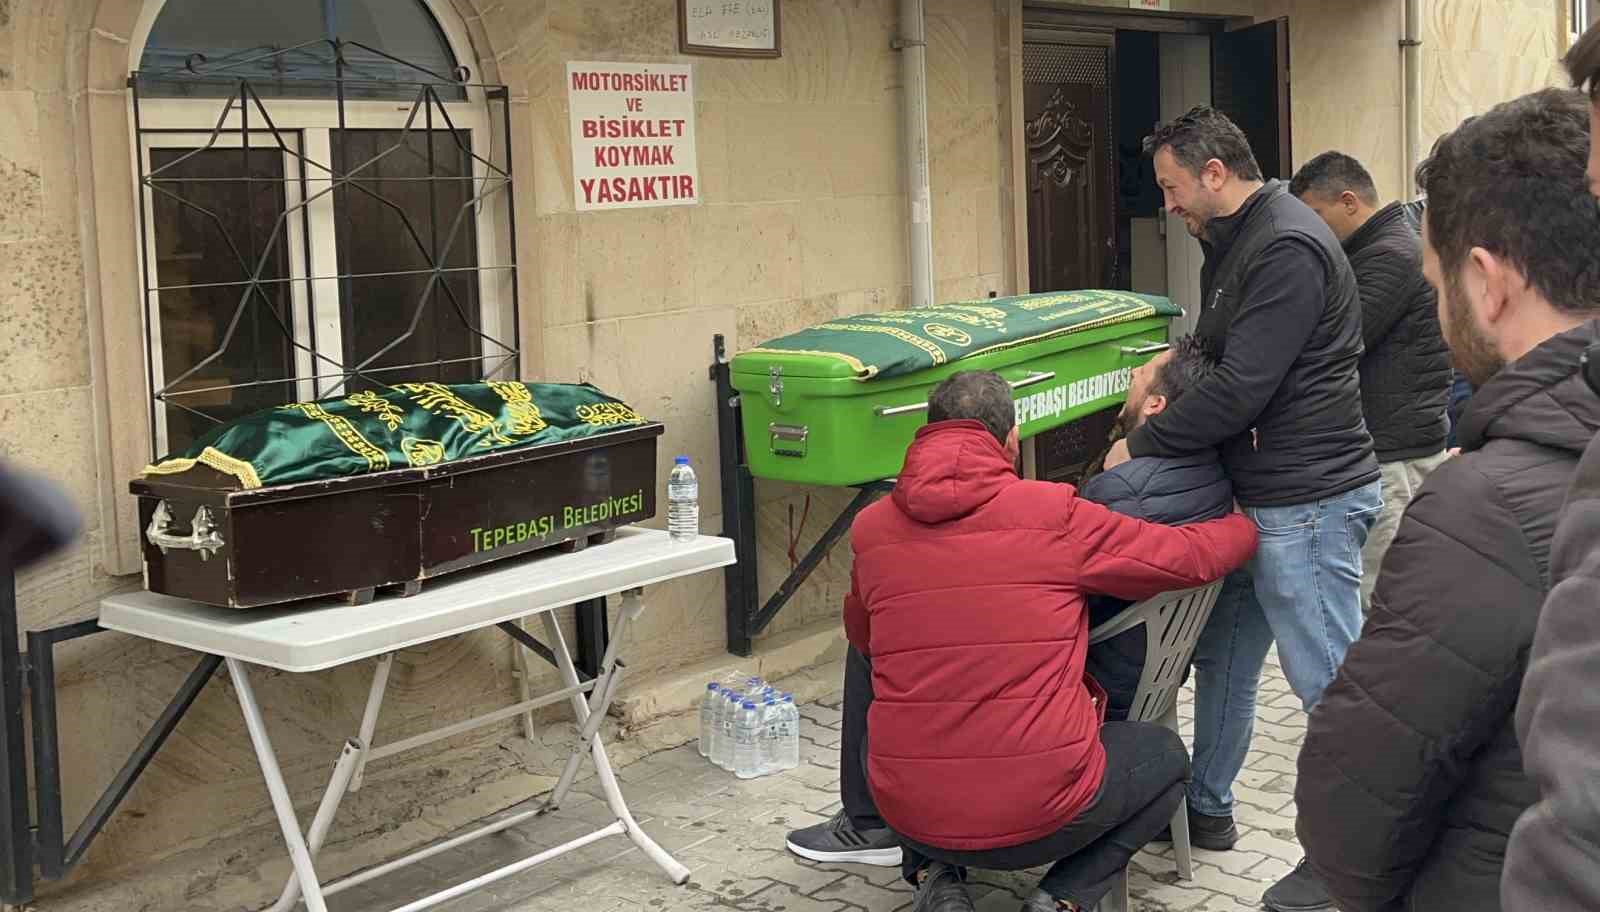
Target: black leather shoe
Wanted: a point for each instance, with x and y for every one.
(941, 890)
(1217, 834)
(1299, 891)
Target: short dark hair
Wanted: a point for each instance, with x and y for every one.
(1201, 134)
(980, 395)
(1513, 182)
(1192, 361)
(1331, 174)
(1583, 63)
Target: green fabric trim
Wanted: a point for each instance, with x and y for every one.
(895, 342)
(407, 425)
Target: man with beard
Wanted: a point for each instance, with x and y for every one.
(1280, 307)
(1410, 778)
(1172, 491)
(1553, 858)
(1177, 491)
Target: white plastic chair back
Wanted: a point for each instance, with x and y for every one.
(1172, 623)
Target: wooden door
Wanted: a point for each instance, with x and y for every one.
(1071, 176)
(1250, 84)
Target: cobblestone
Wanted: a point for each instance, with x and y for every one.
(730, 834)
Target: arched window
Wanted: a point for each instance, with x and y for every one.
(325, 207)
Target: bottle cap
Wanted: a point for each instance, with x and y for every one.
(713, 686)
(680, 460)
(788, 698)
(749, 705)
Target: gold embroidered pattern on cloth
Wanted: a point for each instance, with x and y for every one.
(377, 460)
(605, 414)
(437, 399)
(373, 404)
(421, 452)
(934, 351)
(982, 310)
(525, 416)
(212, 458)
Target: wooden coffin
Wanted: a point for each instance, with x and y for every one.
(209, 539)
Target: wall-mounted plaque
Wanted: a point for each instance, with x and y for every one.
(730, 28)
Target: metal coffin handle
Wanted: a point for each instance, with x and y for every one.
(788, 439)
(885, 411)
(203, 534)
(1145, 348)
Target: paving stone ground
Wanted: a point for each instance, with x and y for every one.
(730, 833)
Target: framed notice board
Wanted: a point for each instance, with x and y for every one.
(730, 28)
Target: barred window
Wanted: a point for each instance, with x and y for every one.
(325, 204)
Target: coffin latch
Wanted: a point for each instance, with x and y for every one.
(203, 533)
(775, 384)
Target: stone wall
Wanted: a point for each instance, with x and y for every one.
(802, 218)
(1478, 53)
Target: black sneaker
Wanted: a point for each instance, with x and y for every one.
(941, 890)
(1217, 834)
(839, 841)
(1299, 891)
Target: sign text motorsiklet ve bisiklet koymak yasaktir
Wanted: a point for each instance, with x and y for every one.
(632, 135)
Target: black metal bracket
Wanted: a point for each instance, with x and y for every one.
(56, 854)
(16, 836)
(24, 844)
(545, 652)
(746, 617)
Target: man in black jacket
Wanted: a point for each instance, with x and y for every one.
(1174, 492)
(1405, 370)
(1281, 308)
(1411, 778)
(1553, 858)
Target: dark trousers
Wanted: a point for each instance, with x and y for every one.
(1147, 768)
(853, 791)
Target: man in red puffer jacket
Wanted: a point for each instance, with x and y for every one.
(967, 598)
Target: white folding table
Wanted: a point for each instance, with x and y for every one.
(326, 634)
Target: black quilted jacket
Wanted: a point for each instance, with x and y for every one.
(1405, 370)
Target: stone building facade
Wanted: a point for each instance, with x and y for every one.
(802, 217)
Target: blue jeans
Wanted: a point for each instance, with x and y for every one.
(1302, 590)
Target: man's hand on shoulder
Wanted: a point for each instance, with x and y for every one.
(1118, 455)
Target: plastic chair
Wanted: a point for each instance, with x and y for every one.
(1172, 623)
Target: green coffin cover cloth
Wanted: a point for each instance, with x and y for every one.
(404, 426)
(897, 342)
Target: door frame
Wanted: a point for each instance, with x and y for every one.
(1030, 19)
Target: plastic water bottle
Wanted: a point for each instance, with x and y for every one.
(745, 737)
(723, 755)
(683, 501)
(771, 752)
(708, 710)
(789, 749)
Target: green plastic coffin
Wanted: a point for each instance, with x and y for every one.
(839, 403)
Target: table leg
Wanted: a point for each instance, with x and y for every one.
(299, 853)
(631, 608)
(524, 681)
(369, 717)
(323, 821)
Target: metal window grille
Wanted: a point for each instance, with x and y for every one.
(428, 246)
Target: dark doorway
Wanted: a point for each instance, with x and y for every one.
(1250, 84)
(1071, 173)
